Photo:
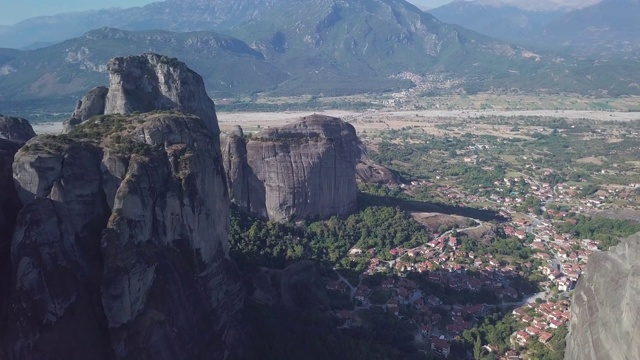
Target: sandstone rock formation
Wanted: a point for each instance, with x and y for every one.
(9, 207)
(147, 83)
(302, 170)
(15, 129)
(92, 104)
(124, 238)
(605, 313)
(234, 153)
(368, 171)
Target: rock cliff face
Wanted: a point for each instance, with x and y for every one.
(15, 129)
(154, 82)
(124, 238)
(92, 104)
(605, 314)
(9, 207)
(147, 83)
(234, 153)
(301, 170)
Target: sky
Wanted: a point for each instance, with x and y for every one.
(14, 11)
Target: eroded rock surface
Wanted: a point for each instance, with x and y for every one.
(15, 129)
(154, 82)
(53, 312)
(9, 207)
(146, 83)
(234, 153)
(139, 213)
(92, 104)
(605, 313)
(302, 170)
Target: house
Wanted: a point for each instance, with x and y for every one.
(388, 283)
(532, 330)
(554, 324)
(440, 346)
(346, 316)
(434, 300)
(522, 338)
(544, 337)
(362, 293)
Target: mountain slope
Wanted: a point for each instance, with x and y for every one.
(501, 21)
(322, 47)
(606, 27)
(228, 65)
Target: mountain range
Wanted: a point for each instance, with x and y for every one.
(316, 47)
(608, 28)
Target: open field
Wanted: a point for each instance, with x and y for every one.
(385, 120)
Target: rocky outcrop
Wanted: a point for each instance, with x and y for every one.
(302, 170)
(92, 104)
(124, 238)
(146, 83)
(53, 311)
(9, 207)
(154, 82)
(234, 155)
(368, 171)
(15, 129)
(605, 313)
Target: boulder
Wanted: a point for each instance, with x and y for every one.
(15, 129)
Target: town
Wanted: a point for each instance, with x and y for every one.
(445, 287)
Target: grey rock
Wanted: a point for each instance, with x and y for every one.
(605, 313)
(52, 313)
(303, 170)
(68, 173)
(135, 220)
(15, 129)
(234, 155)
(145, 83)
(154, 82)
(92, 104)
(9, 206)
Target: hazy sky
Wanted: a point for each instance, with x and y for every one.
(14, 11)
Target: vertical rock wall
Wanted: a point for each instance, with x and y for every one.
(605, 313)
(297, 171)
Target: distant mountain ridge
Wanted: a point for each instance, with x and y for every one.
(316, 47)
(229, 65)
(608, 28)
